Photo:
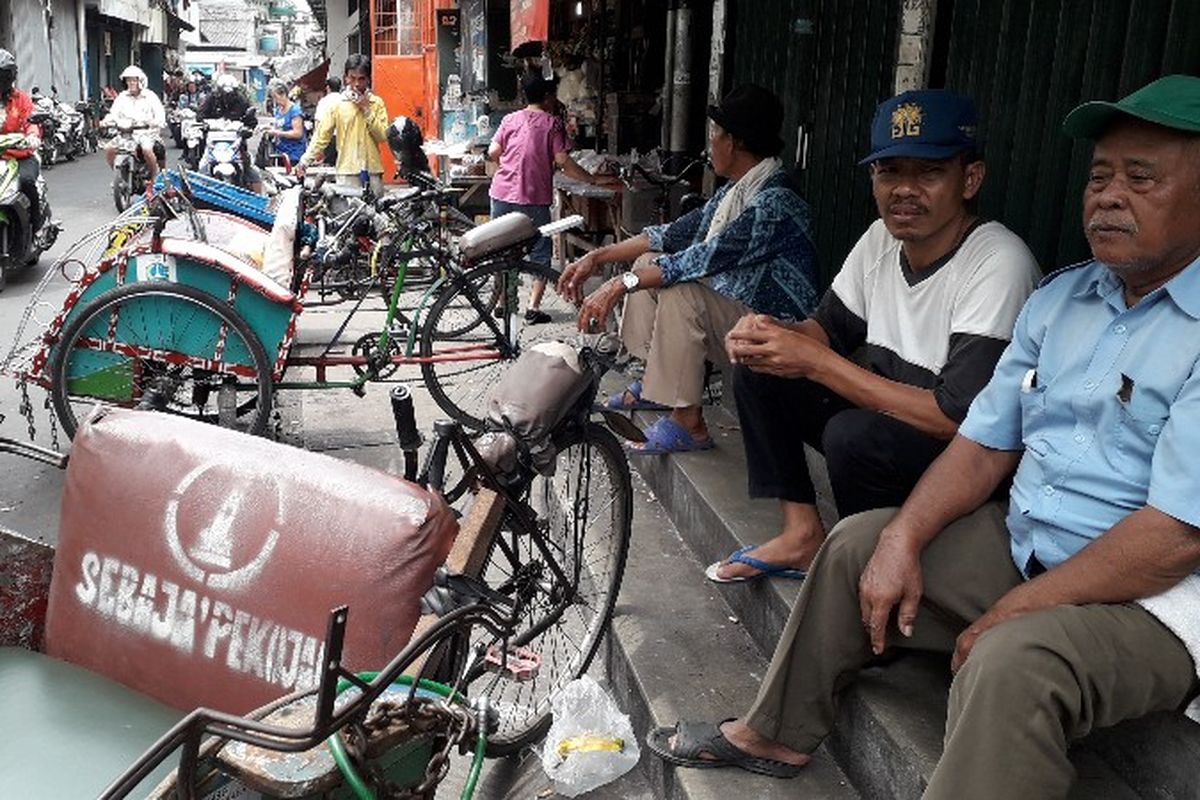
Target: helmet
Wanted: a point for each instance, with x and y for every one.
(226, 83)
(8, 72)
(405, 140)
(134, 71)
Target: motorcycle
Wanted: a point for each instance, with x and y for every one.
(54, 140)
(225, 151)
(129, 169)
(72, 124)
(89, 130)
(191, 132)
(20, 245)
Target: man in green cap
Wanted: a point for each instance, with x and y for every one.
(1078, 605)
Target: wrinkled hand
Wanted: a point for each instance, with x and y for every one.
(593, 314)
(765, 345)
(891, 578)
(570, 283)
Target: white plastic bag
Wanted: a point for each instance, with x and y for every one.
(590, 741)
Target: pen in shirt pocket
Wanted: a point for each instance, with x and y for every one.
(1029, 382)
(1125, 393)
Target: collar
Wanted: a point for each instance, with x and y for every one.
(1183, 289)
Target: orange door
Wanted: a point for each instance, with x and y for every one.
(402, 57)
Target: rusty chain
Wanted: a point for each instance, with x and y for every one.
(421, 716)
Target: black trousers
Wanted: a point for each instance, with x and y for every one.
(873, 460)
(28, 170)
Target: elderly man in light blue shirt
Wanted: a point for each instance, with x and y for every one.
(1079, 606)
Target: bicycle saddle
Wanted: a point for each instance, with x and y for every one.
(501, 233)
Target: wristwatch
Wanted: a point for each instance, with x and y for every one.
(630, 279)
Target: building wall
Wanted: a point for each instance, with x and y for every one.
(341, 25)
(43, 61)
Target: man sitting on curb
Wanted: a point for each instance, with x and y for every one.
(1078, 610)
(930, 292)
(748, 249)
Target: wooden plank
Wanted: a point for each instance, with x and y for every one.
(467, 555)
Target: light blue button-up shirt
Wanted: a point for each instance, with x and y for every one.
(1105, 402)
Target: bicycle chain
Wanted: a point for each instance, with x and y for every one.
(421, 716)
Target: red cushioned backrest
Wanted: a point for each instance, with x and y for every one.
(199, 565)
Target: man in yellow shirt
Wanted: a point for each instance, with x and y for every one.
(360, 122)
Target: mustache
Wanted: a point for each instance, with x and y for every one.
(1103, 222)
(906, 206)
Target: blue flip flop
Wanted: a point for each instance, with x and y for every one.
(667, 436)
(765, 568)
(617, 401)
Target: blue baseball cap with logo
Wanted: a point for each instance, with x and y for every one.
(926, 123)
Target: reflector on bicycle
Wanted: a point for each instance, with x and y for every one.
(519, 663)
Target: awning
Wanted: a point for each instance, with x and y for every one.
(314, 79)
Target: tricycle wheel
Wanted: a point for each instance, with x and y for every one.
(165, 347)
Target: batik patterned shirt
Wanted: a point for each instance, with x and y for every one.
(764, 259)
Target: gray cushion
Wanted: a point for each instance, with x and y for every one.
(66, 732)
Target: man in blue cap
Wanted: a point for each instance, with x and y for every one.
(1075, 608)
(929, 295)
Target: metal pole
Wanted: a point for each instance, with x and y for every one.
(668, 94)
(681, 83)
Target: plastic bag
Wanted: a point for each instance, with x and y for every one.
(590, 742)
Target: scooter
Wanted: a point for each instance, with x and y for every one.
(129, 169)
(225, 150)
(191, 132)
(20, 245)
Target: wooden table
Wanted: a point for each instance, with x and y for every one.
(600, 206)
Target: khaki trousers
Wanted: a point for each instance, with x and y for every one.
(674, 330)
(1029, 687)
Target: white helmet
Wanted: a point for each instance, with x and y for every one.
(226, 82)
(133, 71)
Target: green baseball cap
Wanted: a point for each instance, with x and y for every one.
(1172, 101)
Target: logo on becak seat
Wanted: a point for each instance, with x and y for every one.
(221, 528)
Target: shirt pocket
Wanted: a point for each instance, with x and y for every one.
(1033, 406)
(1138, 427)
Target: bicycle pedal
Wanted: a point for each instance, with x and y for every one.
(518, 663)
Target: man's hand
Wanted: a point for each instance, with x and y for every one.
(364, 101)
(892, 577)
(570, 283)
(298, 169)
(1008, 607)
(766, 345)
(32, 142)
(593, 314)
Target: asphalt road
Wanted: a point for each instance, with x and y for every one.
(29, 492)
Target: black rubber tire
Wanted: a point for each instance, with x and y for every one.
(121, 190)
(581, 624)
(462, 315)
(259, 404)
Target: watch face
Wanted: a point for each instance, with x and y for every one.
(630, 279)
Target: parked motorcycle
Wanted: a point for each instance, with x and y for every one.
(72, 126)
(129, 169)
(225, 152)
(54, 141)
(20, 245)
(90, 128)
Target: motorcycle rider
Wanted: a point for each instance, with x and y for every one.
(18, 106)
(140, 107)
(192, 96)
(227, 101)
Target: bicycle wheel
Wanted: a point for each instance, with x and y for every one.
(584, 512)
(472, 340)
(168, 347)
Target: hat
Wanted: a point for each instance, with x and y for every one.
(1173, 102)
(752, 115)
(925, 123)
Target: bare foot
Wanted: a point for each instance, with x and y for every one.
(752, 743)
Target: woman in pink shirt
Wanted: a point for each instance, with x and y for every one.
(528, 145)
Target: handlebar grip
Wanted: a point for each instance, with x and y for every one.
(405, 418)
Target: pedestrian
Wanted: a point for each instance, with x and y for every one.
(528, 145)
(288, 128)
(359, 121)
